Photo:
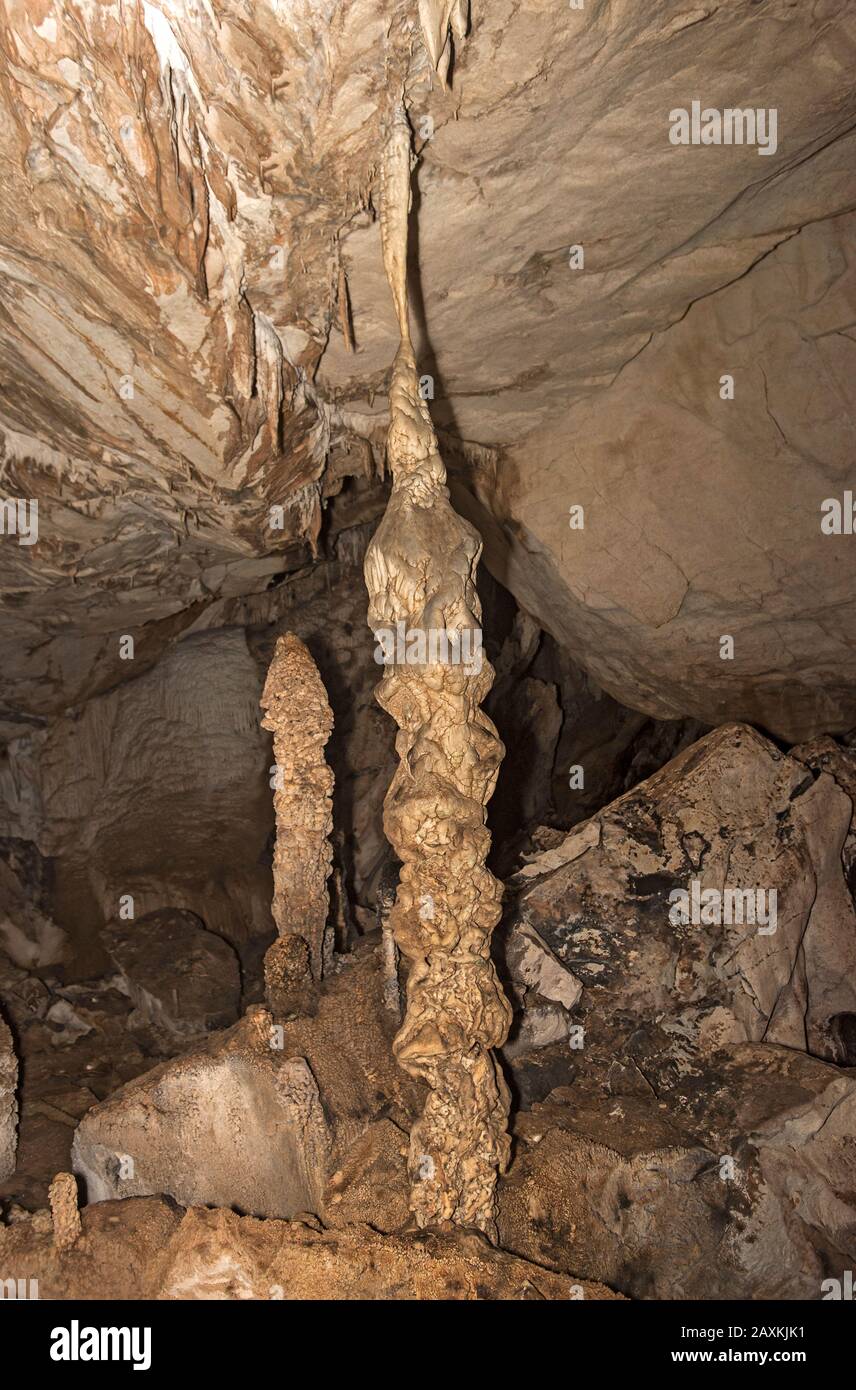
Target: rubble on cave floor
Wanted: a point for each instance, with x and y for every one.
(148, 1248)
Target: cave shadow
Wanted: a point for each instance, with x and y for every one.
(427, 359)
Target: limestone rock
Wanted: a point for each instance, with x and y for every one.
(184, 981)
(67, 1025)
(121, 1245)
(232, 1128)
(24, 997)
(157, 721)
(205, 375)
(683, 541)
(370, 1186)
(544, 990)
(534, 967)
(259, 1117)
(825, 755)
(289, 986)
(737, 1184)
(728, 815)
(216, 1255)
(8, 1102)
(28, 935)
(187, 731)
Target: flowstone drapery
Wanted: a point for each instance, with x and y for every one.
(420, 573)
(298, 714)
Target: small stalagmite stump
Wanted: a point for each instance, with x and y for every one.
(62, 1195)
(289, 987)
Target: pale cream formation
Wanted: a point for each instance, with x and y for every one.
(65, 1215)
(298, 714)
(441, 21)
(420, 570)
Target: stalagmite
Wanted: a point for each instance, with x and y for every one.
(420, 573)
(65, 1215)
(8, 1103)
(298, 714)
(389, 952)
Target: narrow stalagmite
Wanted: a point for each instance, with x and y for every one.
(298, 714)
(420, 573)
(62, 1195)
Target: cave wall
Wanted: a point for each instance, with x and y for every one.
(160, 787)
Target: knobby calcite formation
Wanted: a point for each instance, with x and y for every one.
(64, 1210)
(420, 572)
(298, 714)
(8, 1103)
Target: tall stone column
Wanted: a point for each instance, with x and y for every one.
(298, 714)
(425, 612)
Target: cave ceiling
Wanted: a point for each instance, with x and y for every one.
(195, 327)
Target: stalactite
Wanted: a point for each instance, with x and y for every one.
(440, 21)
(298, 714)
(420, 573)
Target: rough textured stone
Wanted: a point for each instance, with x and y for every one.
(144, 1248)
(298, 714)
(420, 573)
(543, 989)
(235, 1128)
(64, 1210)
(184, 981)
(260, 1116)
(8, 1102)
(255, 331)
(737, 1184)
(289, 986)
(371, 1183)
(825, 755)
(729, 813)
